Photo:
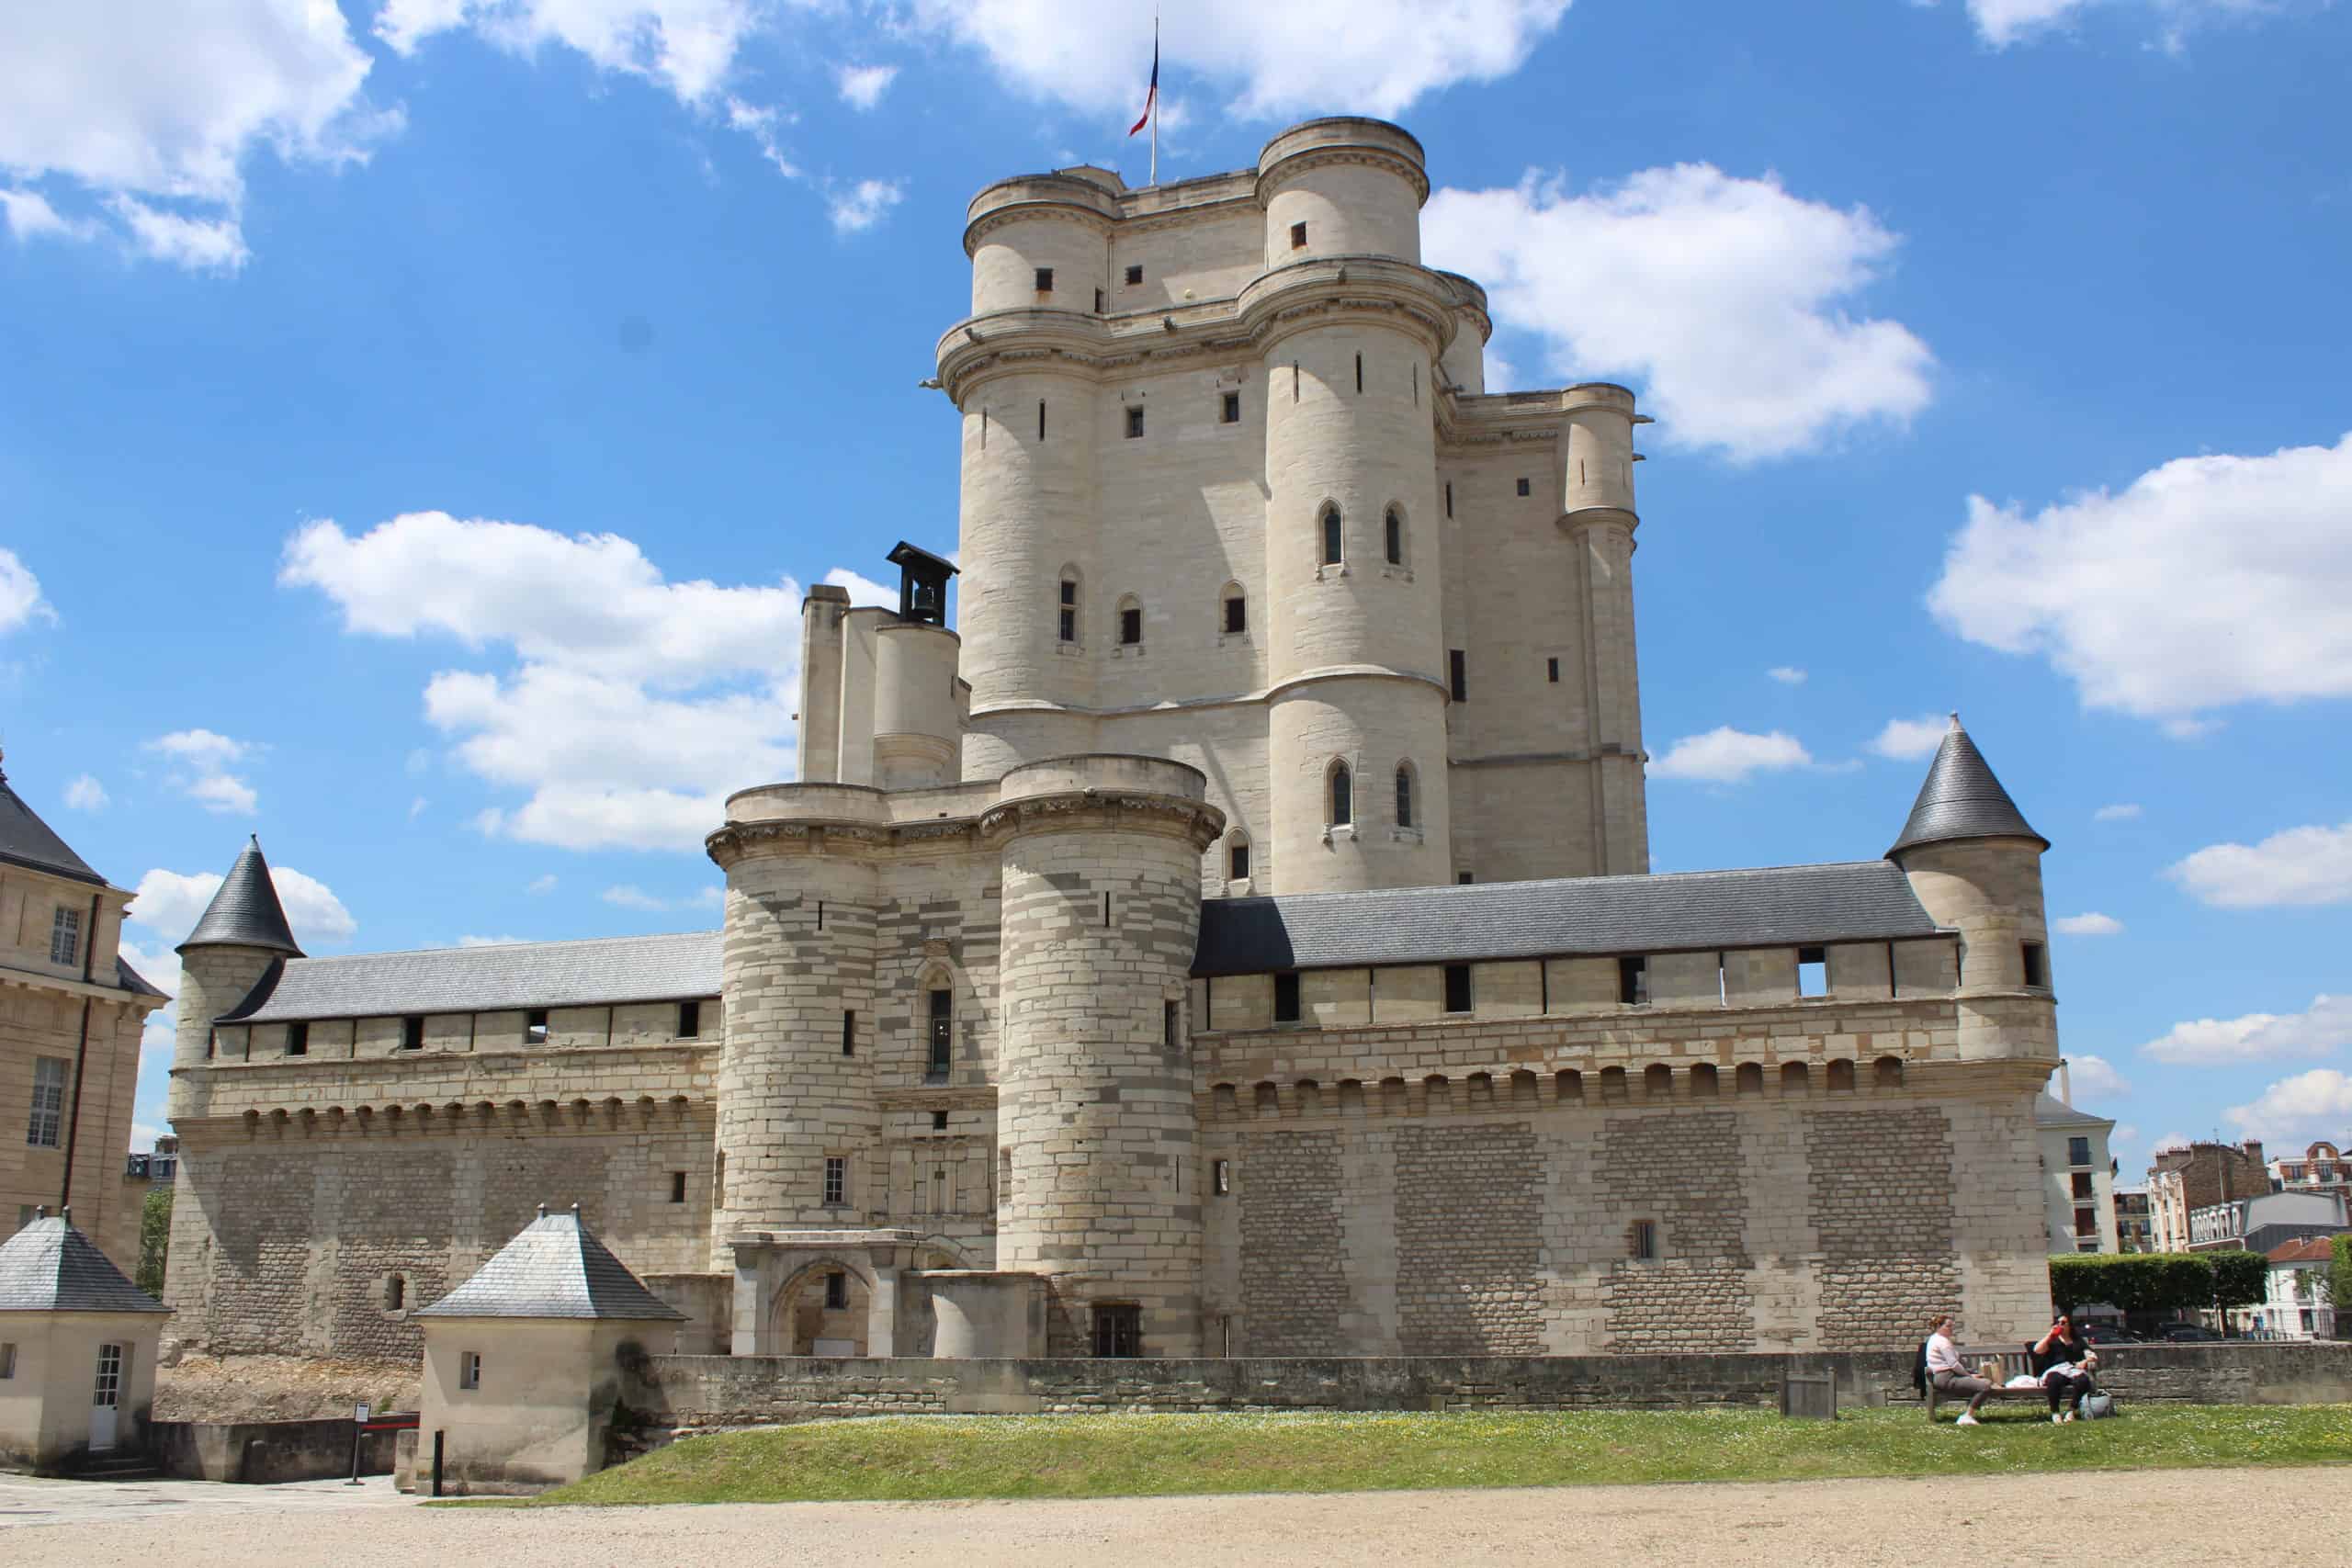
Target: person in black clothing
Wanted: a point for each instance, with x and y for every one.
(2063, 1345)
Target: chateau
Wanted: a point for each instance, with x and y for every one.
(1235, 939)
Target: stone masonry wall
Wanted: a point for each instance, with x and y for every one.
(1294, 1286)
(1880, 1188)
(1669, 1171)
(1468, 1248)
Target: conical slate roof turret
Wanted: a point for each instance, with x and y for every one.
(1961, 799)
(554, 1268)
(245, 912)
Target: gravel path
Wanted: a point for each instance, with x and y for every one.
(2149, 1518)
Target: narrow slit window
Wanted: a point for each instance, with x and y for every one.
(677, 1186)
(1343, 796)
(1170, 1025)
(1393, 527)
(942, 1033)
(848, 1031)
(1359, 372)
(1230, 412)
(1633, 981)
(1457, 664)
(1067, 626)
(413, 1033)
(1041, 419)
(1131, 626)
(1098, 301)
(1333, 536)
(1457, 987)
(1812, 971)
(1134, 424)
(1552, 671)
(1286, 998)
(1044, 280)
(1449, 498)
(1221, 1178)
(1404, 797)
(1642, 1239)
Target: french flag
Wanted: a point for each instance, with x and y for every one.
(1152, 97)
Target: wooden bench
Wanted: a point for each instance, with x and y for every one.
(2011, 1362)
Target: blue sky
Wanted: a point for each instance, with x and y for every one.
(418, 421)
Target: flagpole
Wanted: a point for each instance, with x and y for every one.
(1155, 106)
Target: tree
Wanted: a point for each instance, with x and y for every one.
(2132, 1282)
(2240, 1279)
(2339, 1277)
(154, 1239)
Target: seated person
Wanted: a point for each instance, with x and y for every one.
(1946, 1370)
(2064, 1362)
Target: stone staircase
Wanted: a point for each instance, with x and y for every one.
(121, 1464)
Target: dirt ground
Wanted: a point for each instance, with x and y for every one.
(2150, 1518)
(277, 1388)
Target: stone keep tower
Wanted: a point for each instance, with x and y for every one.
(243, 932)
(1234, 494)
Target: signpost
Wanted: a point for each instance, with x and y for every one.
(359, 1425)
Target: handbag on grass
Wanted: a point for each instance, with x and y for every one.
(2097, 1406)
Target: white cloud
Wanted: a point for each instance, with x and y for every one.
(1333, 56)
(29, 216)
(2090, 924)
(862, 87)
(143, 1136)
(761, 125)
(170, 903)
(2123, 811)
(2096, 1076)
(863, 590)
(2301, 867)
(1910, 739)
(2168, 1141)
(161, 968)
(85, 794)
(2003, 22)
(2298, 1111)
(1724, 755)
(491, 941)
(1787, 674)
(170, 105)
(2205, 582)
(1730, 296)
(629, 898)
(202, 763)
(638, 702)
(687, 46)
(2322, 1030)
(20, 600)
(857, 208)
(416, 807)
(199, 245)
(2125, 1132)
(541, 885)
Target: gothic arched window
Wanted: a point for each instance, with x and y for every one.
(1343, 796)
(1331, 534)
(1405, 795)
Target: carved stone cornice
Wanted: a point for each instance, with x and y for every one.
(1289, 167)
(1107, 810)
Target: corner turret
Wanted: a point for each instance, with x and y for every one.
(242, 936)
(1975, 865)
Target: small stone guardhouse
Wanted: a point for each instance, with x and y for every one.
(77, 1351)
(525, 1362)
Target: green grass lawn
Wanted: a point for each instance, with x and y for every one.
(1110, 1456)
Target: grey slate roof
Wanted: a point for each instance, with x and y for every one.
(26, 840)
(1771, 907)
(131, 980)
(486, 979)
(245, 911)
(2049, 1111)
(1961, 799)
(51, 1266)
(554, 1268)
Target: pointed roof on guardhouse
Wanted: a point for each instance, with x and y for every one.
(245, 911)
(1961, 799)
(27, 841)
(51, 1266)
(554, 1268)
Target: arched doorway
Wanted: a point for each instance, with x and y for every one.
(821, 1311)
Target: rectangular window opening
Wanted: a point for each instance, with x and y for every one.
(64, 936)
(1044, 280)
(1552, 671)
(939, 1120)
(836, 1181)
(534, 1027)
(1237, 862)
(1221, 1178)
(1237, 615)
(677, 1186)
(1465, 878)
(1118, 1330)
(1524, 488)
(1812, 972)
(8, 1361)
(1135, 276)
(1298, 236)
(1098, 301)
(1131, 627)
(1457, 664)
(1134, 424)
(1633, 981)
(2037, 968)
(1229, 413)
(943, 1034)
(1643, 1240)
(2078, 1151)
(298, 1039)
(1286, 998)
(48, 1122)
(2082, 1182)
(1170, 1025)
(848, 1031)
(469, 1369)
(413, 1033)
(690, 1020)
(1457, 987)
(836, 1291)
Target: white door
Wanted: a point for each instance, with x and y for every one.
(106, 1398)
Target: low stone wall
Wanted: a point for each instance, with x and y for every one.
(691, 1392)
(257, 1451)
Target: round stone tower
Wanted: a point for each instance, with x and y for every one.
(1975, 865)
(1040, 250)
(1353, 328)
(1095, 1097)
(242, 933)
(801, 899)
(1596, 486)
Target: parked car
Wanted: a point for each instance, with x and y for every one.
(2190, 1333)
